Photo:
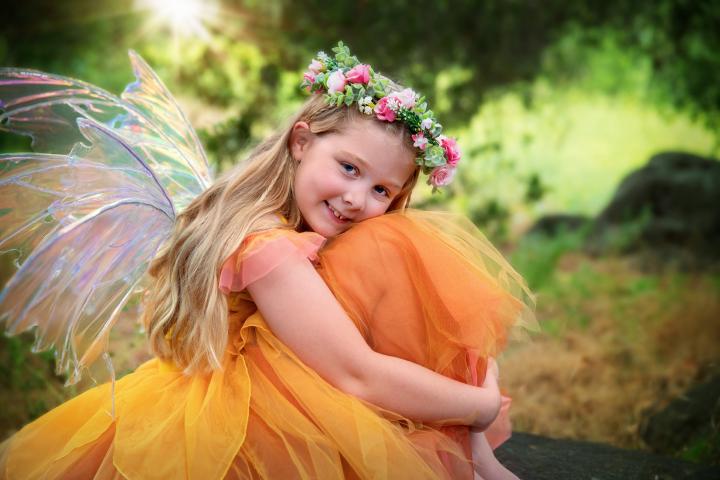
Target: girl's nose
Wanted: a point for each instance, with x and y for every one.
(354, 199)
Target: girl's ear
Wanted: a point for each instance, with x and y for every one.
(300, 138)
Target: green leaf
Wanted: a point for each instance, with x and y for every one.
(434, 156)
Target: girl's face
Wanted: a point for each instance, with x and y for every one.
(346, 177)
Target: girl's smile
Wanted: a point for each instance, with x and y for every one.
(338, 217)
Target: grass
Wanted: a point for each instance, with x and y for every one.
(29, 385)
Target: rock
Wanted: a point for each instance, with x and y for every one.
(693, 415)
(532, 457)
(551, 225)
(670, 204)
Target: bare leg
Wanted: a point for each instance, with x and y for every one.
(486, 465)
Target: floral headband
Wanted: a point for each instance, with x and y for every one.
(345, 80)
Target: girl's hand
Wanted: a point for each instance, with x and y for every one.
(492, 399)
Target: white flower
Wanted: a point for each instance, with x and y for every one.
(426, 124)
(393, 103)
(364, 105)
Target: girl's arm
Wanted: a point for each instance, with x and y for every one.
(303, 313)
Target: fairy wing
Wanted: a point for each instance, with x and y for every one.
(81, 225)
(46, 107)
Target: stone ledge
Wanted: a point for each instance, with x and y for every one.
(532, 457)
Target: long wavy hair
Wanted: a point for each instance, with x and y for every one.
(186, 315)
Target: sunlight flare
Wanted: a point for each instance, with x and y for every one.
(186, 18)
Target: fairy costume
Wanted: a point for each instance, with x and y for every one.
(264, 414)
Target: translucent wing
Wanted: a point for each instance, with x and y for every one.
(82, 228)
(80, 223)
(47, 107)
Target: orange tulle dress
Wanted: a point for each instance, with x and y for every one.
(425, 287)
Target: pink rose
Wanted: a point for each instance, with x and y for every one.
(358, 74)
(315, 66)
(309, 76)
(420, 141)
(383, 110)
(452, 151)
(336, 82)
(407, 98)
(441, 176)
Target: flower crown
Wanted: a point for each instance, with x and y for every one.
(345, 80)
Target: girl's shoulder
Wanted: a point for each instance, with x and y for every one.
(264, 250)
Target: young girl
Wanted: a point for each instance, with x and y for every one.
(234, 391)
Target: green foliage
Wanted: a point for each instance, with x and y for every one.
(704, 449)
(19, 368)
(536, 256)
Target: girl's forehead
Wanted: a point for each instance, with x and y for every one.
(372, 134)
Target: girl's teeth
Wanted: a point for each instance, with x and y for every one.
(337, 215)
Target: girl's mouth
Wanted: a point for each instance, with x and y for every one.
(335, 214)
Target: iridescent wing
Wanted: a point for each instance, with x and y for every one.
(46, 107)
(82, 228)
(80, 224)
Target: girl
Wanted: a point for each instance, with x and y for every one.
(225, 396)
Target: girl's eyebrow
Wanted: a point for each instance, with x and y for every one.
(364, 164)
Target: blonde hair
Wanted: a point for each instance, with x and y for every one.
(186, 315)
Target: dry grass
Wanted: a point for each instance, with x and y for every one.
(618, 343)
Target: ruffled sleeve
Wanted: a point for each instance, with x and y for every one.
(262, 252)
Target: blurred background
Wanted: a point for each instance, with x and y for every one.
(589, 129)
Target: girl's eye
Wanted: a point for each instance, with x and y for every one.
(349, 168)
(381, 190)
